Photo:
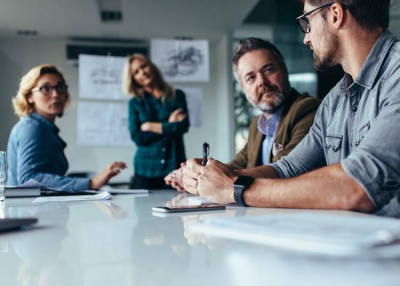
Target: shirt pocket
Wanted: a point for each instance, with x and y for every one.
(362, 132)
(333, 148)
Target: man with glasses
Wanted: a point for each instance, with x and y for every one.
(350, 158)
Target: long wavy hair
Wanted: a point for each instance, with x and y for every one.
(131, 87)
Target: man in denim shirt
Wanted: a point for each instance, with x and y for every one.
(350, 158)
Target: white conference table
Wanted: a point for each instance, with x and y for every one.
(120, 242)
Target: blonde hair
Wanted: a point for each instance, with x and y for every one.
(130, 86)
(20, 102)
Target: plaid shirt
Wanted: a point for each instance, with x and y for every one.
(157, 154)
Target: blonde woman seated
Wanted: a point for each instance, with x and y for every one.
(35, 150)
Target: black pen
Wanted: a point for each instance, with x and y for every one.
(206, 152)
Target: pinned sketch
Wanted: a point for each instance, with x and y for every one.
(181, 60)
(100, 77)
(194, 99)
(103, 124)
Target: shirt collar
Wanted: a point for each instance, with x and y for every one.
(372, 64)
(45, 122)
(262, 124)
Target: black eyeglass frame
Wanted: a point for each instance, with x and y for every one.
(53, 87)
(305, 19)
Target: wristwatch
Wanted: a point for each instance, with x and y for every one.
(239, 186)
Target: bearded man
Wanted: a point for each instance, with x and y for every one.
(350, 158)
(286, 116)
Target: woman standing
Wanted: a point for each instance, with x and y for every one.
(35, 150)
(158, 118)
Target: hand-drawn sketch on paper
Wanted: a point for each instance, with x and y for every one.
(103, 124)
(181, 60)
(100, 77)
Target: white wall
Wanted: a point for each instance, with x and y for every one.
(17, 56)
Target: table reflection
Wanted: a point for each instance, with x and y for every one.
(159, 250)
(40, 251)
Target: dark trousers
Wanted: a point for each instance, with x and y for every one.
(140, 182)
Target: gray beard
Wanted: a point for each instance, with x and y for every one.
(277, 103)
(271, 108)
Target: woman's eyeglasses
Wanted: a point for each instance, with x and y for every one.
(60, 88)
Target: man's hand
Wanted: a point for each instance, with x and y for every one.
(175, 179)
(191, 172)
(177, 115)
(215, 183)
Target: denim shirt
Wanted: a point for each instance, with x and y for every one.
(358, 126)
(35, 151)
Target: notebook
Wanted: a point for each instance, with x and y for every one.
(314, 232)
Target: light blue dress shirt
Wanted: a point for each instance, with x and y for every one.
(35, 151)
(268, 127)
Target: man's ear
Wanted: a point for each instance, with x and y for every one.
(337, 16)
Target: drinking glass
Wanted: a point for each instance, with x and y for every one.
(3, 175)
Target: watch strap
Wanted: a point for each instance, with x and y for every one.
(239, 189)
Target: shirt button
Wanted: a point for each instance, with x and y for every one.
(162, 161)
(163, 149)
(354, 108)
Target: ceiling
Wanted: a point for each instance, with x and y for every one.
(143, 19)
(284, 12)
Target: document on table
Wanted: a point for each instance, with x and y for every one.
(103, 195)
(116, 191)
(309, 232)
(128, 191)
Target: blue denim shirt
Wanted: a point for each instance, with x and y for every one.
(35, 151)
(358, 126)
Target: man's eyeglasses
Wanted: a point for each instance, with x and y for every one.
(304, 22)
(61, 89)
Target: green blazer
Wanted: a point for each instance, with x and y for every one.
(296, 120)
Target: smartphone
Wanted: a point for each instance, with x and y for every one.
(188, 208)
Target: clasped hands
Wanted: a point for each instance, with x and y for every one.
(213, 182)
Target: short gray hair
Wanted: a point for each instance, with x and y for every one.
(253, 44)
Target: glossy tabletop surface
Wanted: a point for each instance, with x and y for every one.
(121, 242)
